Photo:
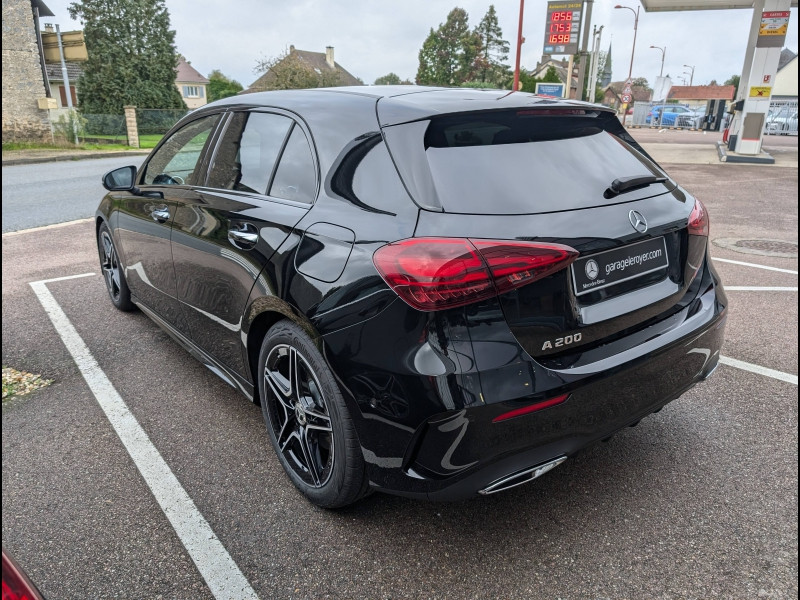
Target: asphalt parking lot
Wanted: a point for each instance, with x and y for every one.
(697, 501)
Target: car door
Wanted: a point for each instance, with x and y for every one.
(223, 236)
(144, 219)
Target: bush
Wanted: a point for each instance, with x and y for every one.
(69, 125)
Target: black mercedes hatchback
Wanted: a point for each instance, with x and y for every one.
(438, 293)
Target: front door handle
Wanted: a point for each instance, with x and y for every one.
(160, 214)
(244, 238)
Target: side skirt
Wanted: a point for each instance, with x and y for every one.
(222, 372)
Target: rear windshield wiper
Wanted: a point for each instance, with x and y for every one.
(628, 184)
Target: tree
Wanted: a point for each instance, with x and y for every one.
(388, 79)
(490, 63)
(642, 83)
(448, 54)
(288, 71)
(734, 81)
(219, 86)
(527, 83)
(132, 57)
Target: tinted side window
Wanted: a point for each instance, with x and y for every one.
(175, 161)
(247, 153)
(295, 178)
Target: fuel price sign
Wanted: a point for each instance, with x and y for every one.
(563, 27)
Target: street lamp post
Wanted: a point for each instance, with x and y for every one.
(633, 51)
(663, 54)
(691, 77)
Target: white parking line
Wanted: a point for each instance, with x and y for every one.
(746, 366)
(216, 566)
(747, 264)
(756, 288)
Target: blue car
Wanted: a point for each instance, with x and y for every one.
(673, 115)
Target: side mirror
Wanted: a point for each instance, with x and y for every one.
(121, 180)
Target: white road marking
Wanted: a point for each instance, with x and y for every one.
(216, 566)
(746, 366)
(756, 288)
(747, 264)
(65, 278)
(44, 227)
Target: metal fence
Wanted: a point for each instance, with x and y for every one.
(99, 129)
(152, 121)
(781, 117)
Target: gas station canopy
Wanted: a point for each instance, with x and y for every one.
(673, 5)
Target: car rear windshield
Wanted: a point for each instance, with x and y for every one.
(519, 162)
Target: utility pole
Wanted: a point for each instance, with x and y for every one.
(520, 41)
(68, 91)
(596, 35)
(584, 51)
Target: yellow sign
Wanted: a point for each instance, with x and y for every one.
(760, 92)
(774, 23)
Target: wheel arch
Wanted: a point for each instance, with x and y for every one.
(262, 314)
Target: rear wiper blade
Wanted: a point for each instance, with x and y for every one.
(628, 184)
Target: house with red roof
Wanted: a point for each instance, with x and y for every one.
(697, 96)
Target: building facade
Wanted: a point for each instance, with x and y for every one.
(25, 90)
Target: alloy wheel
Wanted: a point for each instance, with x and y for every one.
(110, 265)
(299, 415)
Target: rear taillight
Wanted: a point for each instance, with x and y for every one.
(698, 220)
(16, 585)
(437, 273)
(518, 412)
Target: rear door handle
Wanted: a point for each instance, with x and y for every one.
(244, 238)
(160, 214)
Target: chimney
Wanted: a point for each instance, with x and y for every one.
(48, 27)
(329, 57)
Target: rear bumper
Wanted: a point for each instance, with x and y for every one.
(593, 412)
(433, 436)
(457, 454)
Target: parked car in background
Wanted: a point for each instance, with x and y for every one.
(782, 122)
(674, 115)
(437, 293)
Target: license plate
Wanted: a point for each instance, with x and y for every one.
(604, 269)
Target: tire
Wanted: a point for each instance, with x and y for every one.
(307, 420)
(112, 271)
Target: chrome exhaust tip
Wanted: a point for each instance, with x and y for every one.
(520, 477)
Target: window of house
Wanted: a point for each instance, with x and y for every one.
(62, 90)
(193, 91)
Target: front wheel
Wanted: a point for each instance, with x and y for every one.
(112, 271)
(307, 420)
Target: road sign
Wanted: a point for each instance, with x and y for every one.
(562, 27)
(551, 89)
(626, 98)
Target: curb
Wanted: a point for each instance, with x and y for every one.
(58, 158)
(724, 156)
(46, 227)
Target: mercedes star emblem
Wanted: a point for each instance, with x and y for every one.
(638, 221)
(592, 269)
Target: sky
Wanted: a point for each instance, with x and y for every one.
(374, 37)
